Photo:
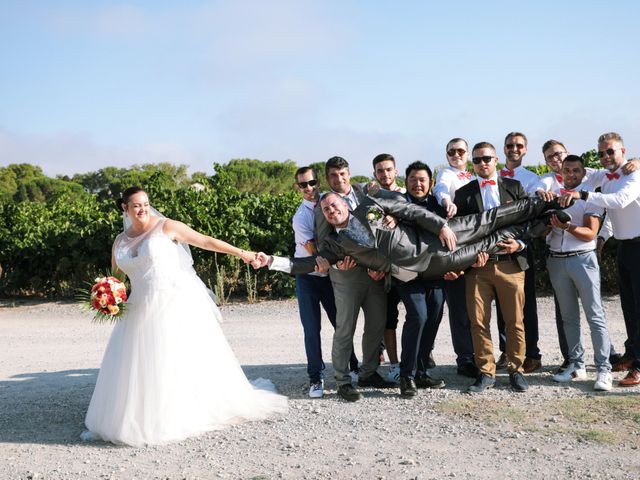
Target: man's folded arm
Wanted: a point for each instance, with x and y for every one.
(414, 214)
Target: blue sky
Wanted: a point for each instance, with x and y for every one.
(92, 84)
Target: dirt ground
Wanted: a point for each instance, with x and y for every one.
(50, 354)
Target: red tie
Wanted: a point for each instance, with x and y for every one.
(563, 191)
(612, 176)
(487, 182)
(505, 172)
(466, 175)
(559, 178)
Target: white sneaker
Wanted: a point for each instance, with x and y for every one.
(316, 390)
(604, 382)
(570, 373)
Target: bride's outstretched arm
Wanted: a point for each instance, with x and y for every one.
(115, 271)
(182, 233)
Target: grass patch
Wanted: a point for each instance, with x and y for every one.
(597, 435)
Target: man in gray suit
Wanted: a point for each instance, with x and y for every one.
(423, 243)
(355, 287)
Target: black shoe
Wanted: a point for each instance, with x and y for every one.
(431, 363)
(482, 383)
(349, 393)
(427, 381)
(518, 383)
(468, 370)
(555, 205)
(408, 387)
(564, 366)
(374, 380)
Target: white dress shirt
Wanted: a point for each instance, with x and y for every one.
(527, 178)
(621, 198)
(303, 221)
(490, 193)
(448, 182)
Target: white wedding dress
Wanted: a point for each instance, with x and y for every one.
(168, 372)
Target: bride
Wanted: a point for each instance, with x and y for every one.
(168, 371)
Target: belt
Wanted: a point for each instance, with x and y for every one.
(631, 240)
(568, 254)
(501, 258)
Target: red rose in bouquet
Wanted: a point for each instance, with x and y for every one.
(107, 297)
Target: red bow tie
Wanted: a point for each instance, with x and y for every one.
(505, 172)
(487, 182)
(559, 178)
(466, 175)
(612, 176)
(563, 191)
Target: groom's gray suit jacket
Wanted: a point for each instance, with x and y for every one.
(410, 245)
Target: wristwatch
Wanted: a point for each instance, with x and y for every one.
(584, 195)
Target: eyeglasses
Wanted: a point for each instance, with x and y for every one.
(459, 151)
(555, 155)
(479, 160)
(310, 183)
(513, 146)
(608, 151)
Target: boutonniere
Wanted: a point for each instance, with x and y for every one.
(374, 216)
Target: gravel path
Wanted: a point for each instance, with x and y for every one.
(50, 353)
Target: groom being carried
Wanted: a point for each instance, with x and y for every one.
(423, 244)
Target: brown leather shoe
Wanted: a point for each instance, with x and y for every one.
(631, 380)
(502, 362)
(623, 364)
(531, 364)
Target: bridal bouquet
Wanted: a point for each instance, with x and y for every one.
(107, 298)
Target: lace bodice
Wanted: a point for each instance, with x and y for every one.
(152, 257)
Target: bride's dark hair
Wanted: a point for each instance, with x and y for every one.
(126, 195)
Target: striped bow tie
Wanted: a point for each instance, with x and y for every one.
(466, 175)
(563, 191)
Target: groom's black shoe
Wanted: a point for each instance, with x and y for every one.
(349, 393)
(538, 227)
(374, 380)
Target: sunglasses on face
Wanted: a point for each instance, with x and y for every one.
(556, 155)
(479, 160)
(459, 151)
(608, 151)
(310, 183)
(513, 146)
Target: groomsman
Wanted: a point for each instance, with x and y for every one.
(354, 288)
(620, 195)
(501, 277)
(423, 301)
(575, 275)
(313, 289)
(515, 148)
(449, 180)
(386, 173)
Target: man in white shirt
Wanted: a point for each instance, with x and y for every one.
(312, 289)
(620, 195)
(515, 148)
(449, 180)
(575, 275)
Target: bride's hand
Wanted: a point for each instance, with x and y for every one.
(261, 260)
